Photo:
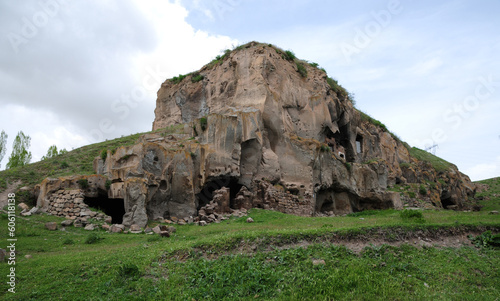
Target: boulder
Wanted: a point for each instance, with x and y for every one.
(90, 227)
(117, 228)
(23, 206)
(52, 226)
(135, 228)
(67, 223)
(250, 220)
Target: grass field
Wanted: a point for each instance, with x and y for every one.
(279, 256)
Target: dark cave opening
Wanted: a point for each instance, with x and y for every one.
(112, 207)
(207, 193)
(446, 202)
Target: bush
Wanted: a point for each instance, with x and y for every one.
(302, 70)
(108, 184)
(486, 240)
(412, 194)
(64, 165)
(178, 79)
(422, 190)
(203, 123)
(314, 65)
(289, 55)
(93, 238)
(196, 77)
(84, 183)
(412, 215)
(338, 89)
(104, 154)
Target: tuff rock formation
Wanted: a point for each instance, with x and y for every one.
(258, 128)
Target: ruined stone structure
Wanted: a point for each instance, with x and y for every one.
(274, 139)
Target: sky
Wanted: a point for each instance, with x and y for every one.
(78, 72)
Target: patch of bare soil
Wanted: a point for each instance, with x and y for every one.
(441, 237)
(11, 188)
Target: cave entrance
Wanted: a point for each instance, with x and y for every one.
(207, 193)
(325, 201)
(112, 207)
(446, 202)
(343, 143)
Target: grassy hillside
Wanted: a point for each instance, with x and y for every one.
(75, 162)
(372, 255)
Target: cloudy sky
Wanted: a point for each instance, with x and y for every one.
(78, 72)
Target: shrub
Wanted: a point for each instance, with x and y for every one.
(64, 165)
(412, 215)
(196, 77)
(178, 79)
(422, 190)
(203, 123)
(289, 55)
(84, 183)
(315, 65)
(93, 238)
(411, 194)
(104, 154)
(338, 89)
(108, 184)
(486, 240)
(302, 70)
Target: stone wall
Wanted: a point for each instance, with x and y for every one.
(70, 205)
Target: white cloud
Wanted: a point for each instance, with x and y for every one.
(90, 61)
(484, 170)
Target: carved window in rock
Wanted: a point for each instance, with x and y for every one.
(359, 144)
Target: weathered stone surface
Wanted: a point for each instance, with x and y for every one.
(90, 227)
(255, 133)
(117, 228)
(52, 226)
(23, 206)
(67, 223)
(250, 220)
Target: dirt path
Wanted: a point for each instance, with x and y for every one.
(11, 188)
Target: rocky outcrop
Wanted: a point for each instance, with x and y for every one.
(258, 128)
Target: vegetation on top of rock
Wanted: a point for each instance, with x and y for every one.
(440, 165)
(178, 79)
(196, 77)
(301, 69)
(203, 123)
(289, 55)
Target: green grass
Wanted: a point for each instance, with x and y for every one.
(490, 199)
(301, 69)
(235, 260)
(439, 164)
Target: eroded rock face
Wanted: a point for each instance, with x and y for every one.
(274, 140)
